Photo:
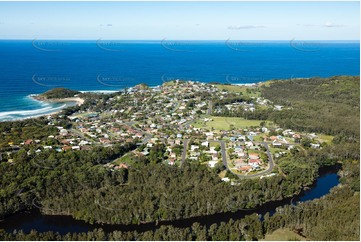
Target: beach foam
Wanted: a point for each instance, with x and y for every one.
(22, 114)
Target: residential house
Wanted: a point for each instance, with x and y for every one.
(253, 156)
(245, 168)
(315, 146)
(28, 142)
(205, 144)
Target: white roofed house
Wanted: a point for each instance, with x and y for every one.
(212, 163)
(251, 133)
(276, 143)
(315, 146)
(278, 107)
(83, 142)
(205, 144)
(248, 143)
(63, 132)
(226, 179)
(215, 156)
(241, 138)
(145, 151)
(264, 129)
(238, 149)
(210, 135)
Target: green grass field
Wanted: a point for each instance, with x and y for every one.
(224, 123)
(258, 138)
(127, 158)
(231, 88)
(325, 138)
(283, 235)
(255, 152)
(213, 144)
(276, 150)
(247, 91)
(222, 174)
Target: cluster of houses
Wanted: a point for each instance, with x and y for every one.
(236, 105)
(206, 152)
(63, 141)
(162, 107)
(245, 155)
(165, 114)
(107, 132)
(249, 106)
(114, 167)
(171, 152)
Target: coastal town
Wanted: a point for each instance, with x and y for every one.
(180, 122)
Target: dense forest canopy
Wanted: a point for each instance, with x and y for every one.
(59, 93)
(324, 105)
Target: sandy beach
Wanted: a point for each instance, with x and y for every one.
(49, 107)
(79, 101)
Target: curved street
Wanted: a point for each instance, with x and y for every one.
(270, 162)
(225, 160)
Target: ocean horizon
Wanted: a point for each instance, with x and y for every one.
(31, 67)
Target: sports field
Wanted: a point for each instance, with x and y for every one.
(226, 123)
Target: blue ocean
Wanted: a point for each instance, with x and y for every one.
(34, 66)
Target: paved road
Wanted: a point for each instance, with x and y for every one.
(225, 160)
(147, 136)
(175, 108)
(210, 104)
(77, 132)
(185, 145)
(224, 154)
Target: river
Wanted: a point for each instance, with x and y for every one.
(33, 219)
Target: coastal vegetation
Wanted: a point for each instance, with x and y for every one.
(323, 105)
(320, 219)
(59, 93)
(145, 193)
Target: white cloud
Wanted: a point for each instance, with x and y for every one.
(331, 25)
(106, 25)
(245, 27)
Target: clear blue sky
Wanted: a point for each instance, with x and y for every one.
(180, 20)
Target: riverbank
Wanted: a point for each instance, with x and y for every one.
(33, 219)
